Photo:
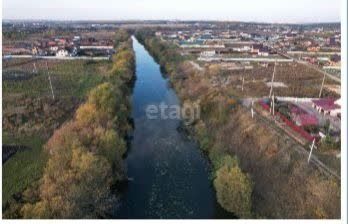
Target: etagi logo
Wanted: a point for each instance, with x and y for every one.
(188, 112)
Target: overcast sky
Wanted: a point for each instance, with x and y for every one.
(292, 11)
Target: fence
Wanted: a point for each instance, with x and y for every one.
(293, 126)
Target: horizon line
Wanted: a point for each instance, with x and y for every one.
(172, 20)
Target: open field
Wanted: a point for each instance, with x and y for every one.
(296, 80)
(69, 78)
(28, 104)
(30, 114)
(24, 167)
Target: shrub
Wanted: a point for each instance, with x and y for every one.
(203, 136)
(233, 190)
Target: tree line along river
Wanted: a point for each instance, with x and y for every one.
(169, 175)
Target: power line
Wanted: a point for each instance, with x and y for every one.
(274, 70)
(49, 78)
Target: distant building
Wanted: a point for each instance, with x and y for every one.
(54, 49)
(255, 48)
(76, 38)
(62, 53)
(38, 51)
(35, 51)
(208, 53)
(313, 49)
(51, 43)
(331, 41)
(241, 49)
(264, 51)
(335, 60)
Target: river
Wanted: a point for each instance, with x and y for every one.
(169, 174)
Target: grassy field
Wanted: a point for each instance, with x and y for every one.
(24, 167)
(30, 114)
(69, 78)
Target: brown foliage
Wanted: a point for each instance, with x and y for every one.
(86, 153)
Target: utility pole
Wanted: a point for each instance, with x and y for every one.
(49, 78)
(35, 70)
(274, 70)
(322, 85)
(252, 108)
(243, 83)
(310, 153)
(273, 104)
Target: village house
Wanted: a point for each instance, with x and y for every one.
(264, 51)
(304, 120)
(53, 49)
(335, 60)
(62, 53)
(255, 48)
(15, 50)
(328, 106)
(208, 53)
(241, 49)
(313, 48)
(38, 51)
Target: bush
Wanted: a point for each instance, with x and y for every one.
(204, 139)
(233, 190)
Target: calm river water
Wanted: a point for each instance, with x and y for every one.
(169, 175)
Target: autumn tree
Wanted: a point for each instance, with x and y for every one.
(85, 154)
(121, 35)
(76, 189)
(233, 189)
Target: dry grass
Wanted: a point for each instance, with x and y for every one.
(285, 185)
(300, 81)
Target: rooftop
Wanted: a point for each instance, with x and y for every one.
(326, 104)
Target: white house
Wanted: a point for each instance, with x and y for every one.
(208, 53)
(54, 49)
(62, 53)
(241, 49)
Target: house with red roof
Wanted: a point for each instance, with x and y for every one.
(306, 120)
(328, 106)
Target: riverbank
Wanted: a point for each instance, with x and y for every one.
(283, 185)
(85, 154)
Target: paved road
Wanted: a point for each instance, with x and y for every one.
(56, 58)
(279, 60)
